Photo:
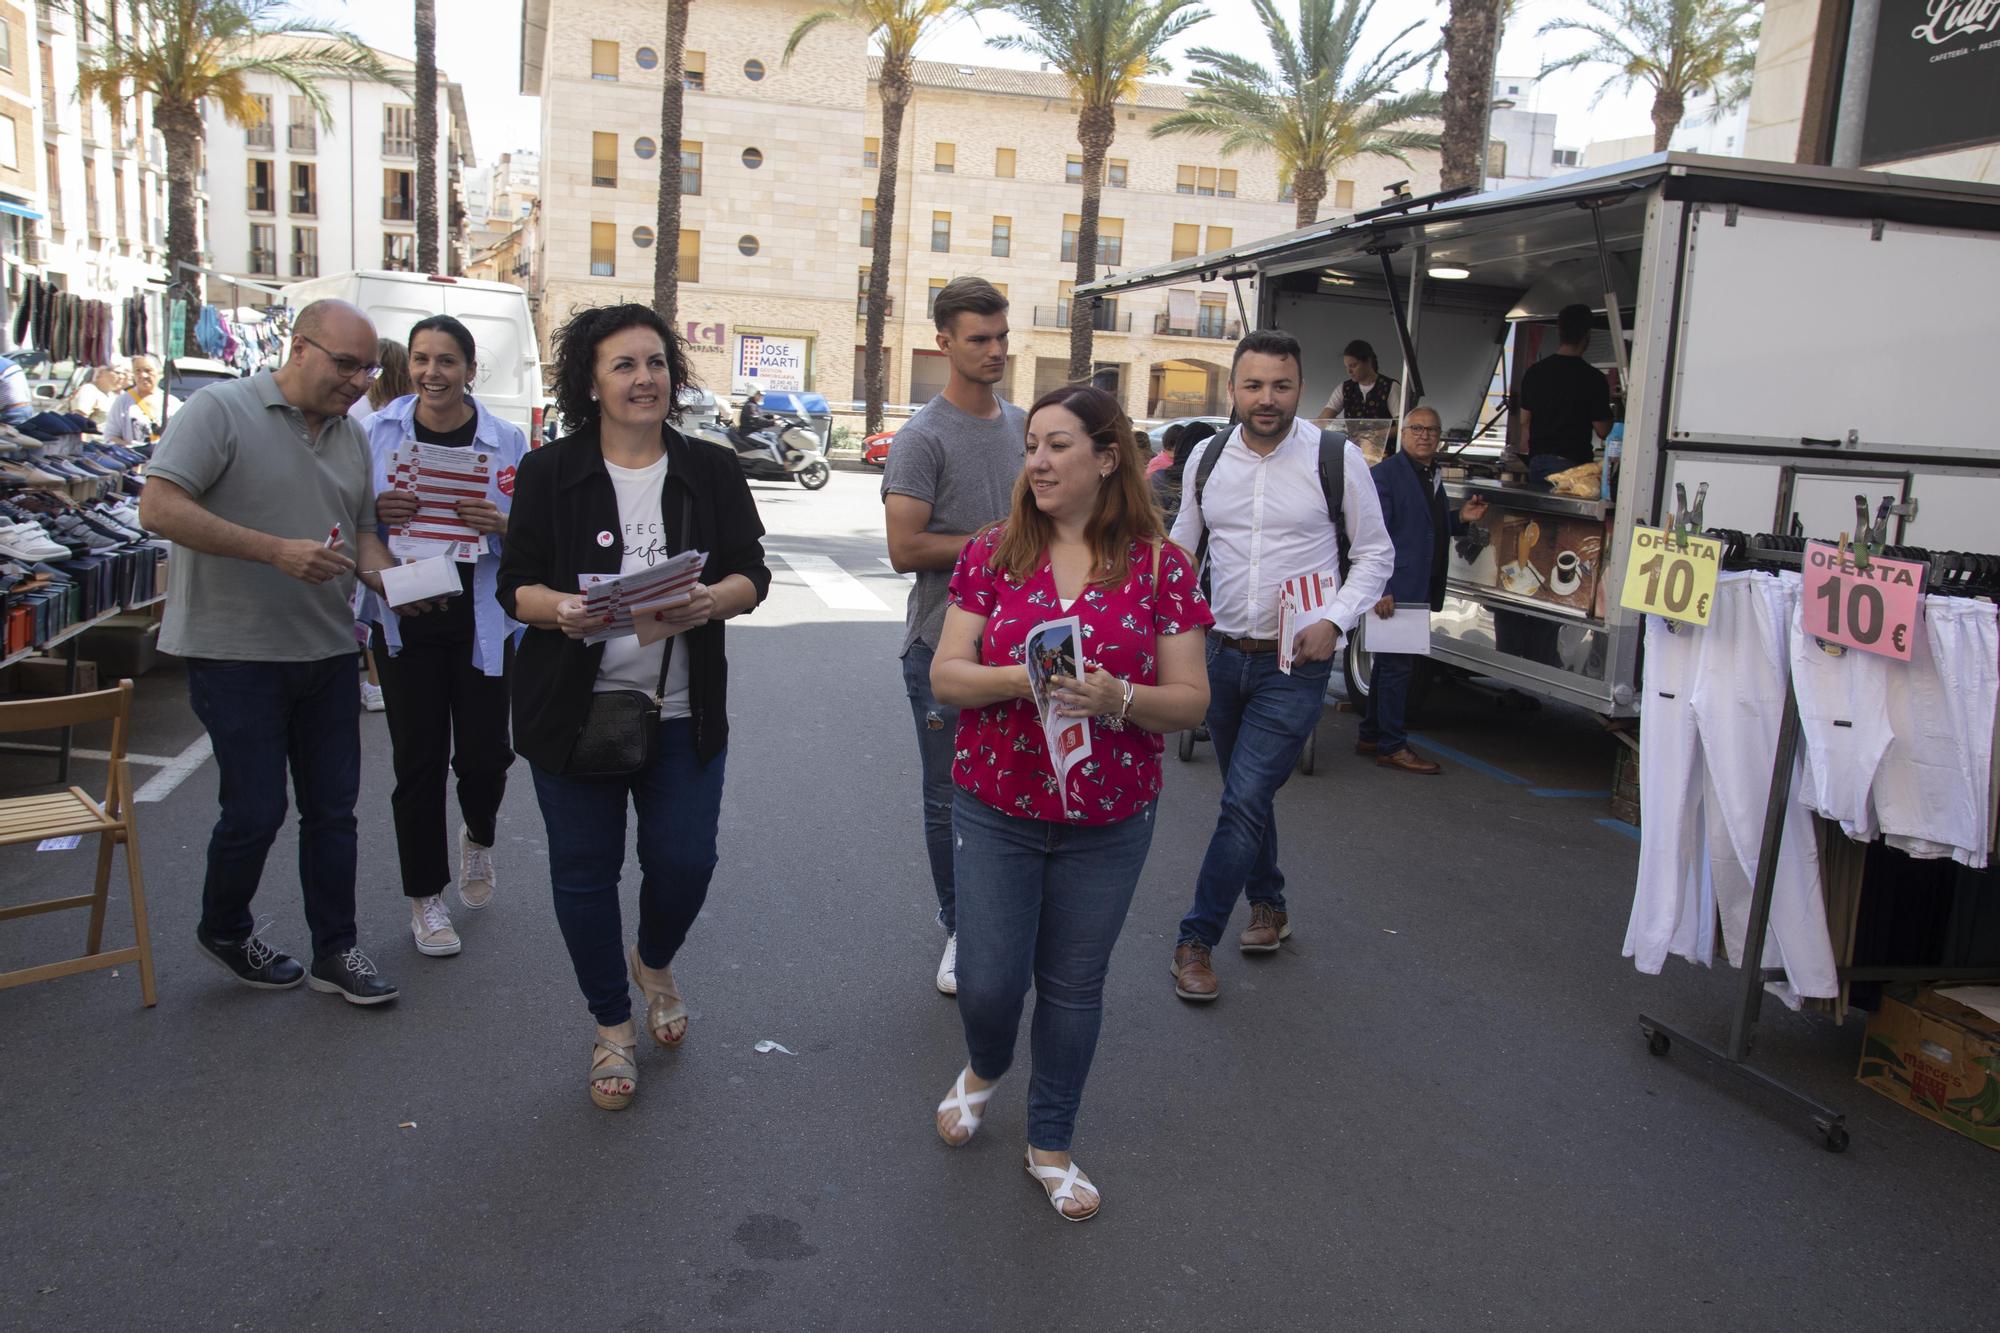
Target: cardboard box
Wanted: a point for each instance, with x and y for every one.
(1940, 1059)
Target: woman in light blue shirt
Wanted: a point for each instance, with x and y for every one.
(445, 666)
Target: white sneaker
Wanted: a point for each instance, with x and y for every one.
(371, 697)
(947, 977)
(430, 923)
(475, 872)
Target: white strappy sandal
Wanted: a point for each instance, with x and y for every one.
(967, 1105)
(1060, 1184)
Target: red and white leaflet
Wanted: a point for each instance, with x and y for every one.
(1054, 648)
(441, 477)
(1296, 596)
(622, 596)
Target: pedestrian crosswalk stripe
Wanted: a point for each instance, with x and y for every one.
(840, 590)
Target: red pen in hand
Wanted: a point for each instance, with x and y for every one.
(333, 537)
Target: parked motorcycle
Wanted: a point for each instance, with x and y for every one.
(787, 449)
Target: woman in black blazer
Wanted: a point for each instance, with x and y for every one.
(621, 493)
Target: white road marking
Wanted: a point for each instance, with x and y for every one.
(891, 565)
(840, 590)
(161, 785)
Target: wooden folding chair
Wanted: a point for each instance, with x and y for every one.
(60, 814)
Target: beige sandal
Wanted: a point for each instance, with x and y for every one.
(622, 1062)
(663, 1001)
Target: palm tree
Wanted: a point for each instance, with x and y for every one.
(426, 118)
(1681, 48)
(667, 219)
(1103, 48)
(1471, 43)
(898, 27)
(1308, 109)
(208, 49)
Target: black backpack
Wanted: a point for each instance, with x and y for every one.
(1332, 481)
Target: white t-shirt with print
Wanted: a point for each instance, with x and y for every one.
(627, 665)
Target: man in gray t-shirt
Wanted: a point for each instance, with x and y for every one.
(263, 486)
(951, 471)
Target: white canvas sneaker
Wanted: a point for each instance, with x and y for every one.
(430, 923)
(475, 872)
(947, 976)
(371, 697)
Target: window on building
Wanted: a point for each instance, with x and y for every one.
(1343, 194)
(1073, 170)
(399, 251)
(6, 45)
(646, 58)
(302, 132)
(1213, 320)
(1205, 181)
(694, 70)
(1567, 157)
(264, 248)
(257, 130)
(753, 70)
(1003, 163)
(399, 134)
(1187, 240)
(263, 190)
(944, 159)
(604, 61)
(1220, 238)
(54, 179)
(867, 223)
(941, 233)
(861, 295)
(305, 190)
(1496, 159)
(603, 159)
(305, 252)
(690, 167)
(603, 249)
(91, 220)
(1111, 240)
(931, 296)
(399, 195)
(871, 152)
(1003, 237)
(1070, 224)
(1115, 173)
(1287, 192)
(688, 264)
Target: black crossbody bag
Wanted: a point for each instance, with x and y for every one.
(621, 727)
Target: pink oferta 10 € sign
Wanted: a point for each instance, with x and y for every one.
(1873, 610)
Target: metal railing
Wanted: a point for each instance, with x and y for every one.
(259, 136)
(304, 204)
(303, 138)
(305, 266)
(396, 145)
(1205, 326)
(257, 199)
(1105, 319)
(263, 261)
(398, 208)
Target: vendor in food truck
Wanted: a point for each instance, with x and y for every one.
(1565, 402)
(1366, 394)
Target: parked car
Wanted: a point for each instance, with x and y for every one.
(875, 449)
(193, 373)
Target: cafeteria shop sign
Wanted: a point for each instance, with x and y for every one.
(1931, 87)
(767, 361)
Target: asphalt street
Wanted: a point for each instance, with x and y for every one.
(1432, 1110)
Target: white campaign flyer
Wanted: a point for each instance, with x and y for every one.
(441, 477)
(1296, 596)
(1055, 648)
(631, 599)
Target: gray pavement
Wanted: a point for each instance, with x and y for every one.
(1432, 1110)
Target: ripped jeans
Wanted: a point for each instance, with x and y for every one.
(937, 735)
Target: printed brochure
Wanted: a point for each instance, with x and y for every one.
(1055, 648)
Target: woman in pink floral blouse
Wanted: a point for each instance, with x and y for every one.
(1046, 866)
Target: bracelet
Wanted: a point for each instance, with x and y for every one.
(1126, 707)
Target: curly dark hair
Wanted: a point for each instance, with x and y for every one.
(576, 344)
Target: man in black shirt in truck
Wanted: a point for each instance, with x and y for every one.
(1565, 402)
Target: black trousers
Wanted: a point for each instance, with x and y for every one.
(443, 711)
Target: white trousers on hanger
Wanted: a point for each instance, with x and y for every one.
(1704, 794)
(1932, 792)
(1844, 722)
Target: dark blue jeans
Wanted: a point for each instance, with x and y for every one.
(1040, 902)
(262, 718)
(679, 800)
(937, 735)
(1388, 701)
(1259, 719)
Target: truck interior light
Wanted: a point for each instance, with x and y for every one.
(1451, 271)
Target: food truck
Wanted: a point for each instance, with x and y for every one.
(1779, 339)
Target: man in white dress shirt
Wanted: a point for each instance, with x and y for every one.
(1268, 520)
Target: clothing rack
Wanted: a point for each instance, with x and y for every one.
(1963, 573)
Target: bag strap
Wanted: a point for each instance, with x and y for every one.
(687, 544)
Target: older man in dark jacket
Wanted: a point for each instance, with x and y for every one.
(1421, 525)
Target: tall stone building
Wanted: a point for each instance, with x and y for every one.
(777, 167)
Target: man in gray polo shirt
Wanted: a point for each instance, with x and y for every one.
(263, 486)
(951, 472)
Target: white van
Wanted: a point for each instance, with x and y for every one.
(510, 364)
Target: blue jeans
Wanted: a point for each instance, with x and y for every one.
(679, 800)
(937, 735)
(263, 717)
(1041, 902)
(1388, 702)
(1259, 719)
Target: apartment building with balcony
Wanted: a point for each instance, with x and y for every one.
(292, 198)
(777, 168)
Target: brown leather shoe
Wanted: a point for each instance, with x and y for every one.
(1194, 977)
(1365, 747)
(1267, 926)
(1405, 760)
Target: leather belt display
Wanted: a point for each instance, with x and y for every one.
(1247, 645)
